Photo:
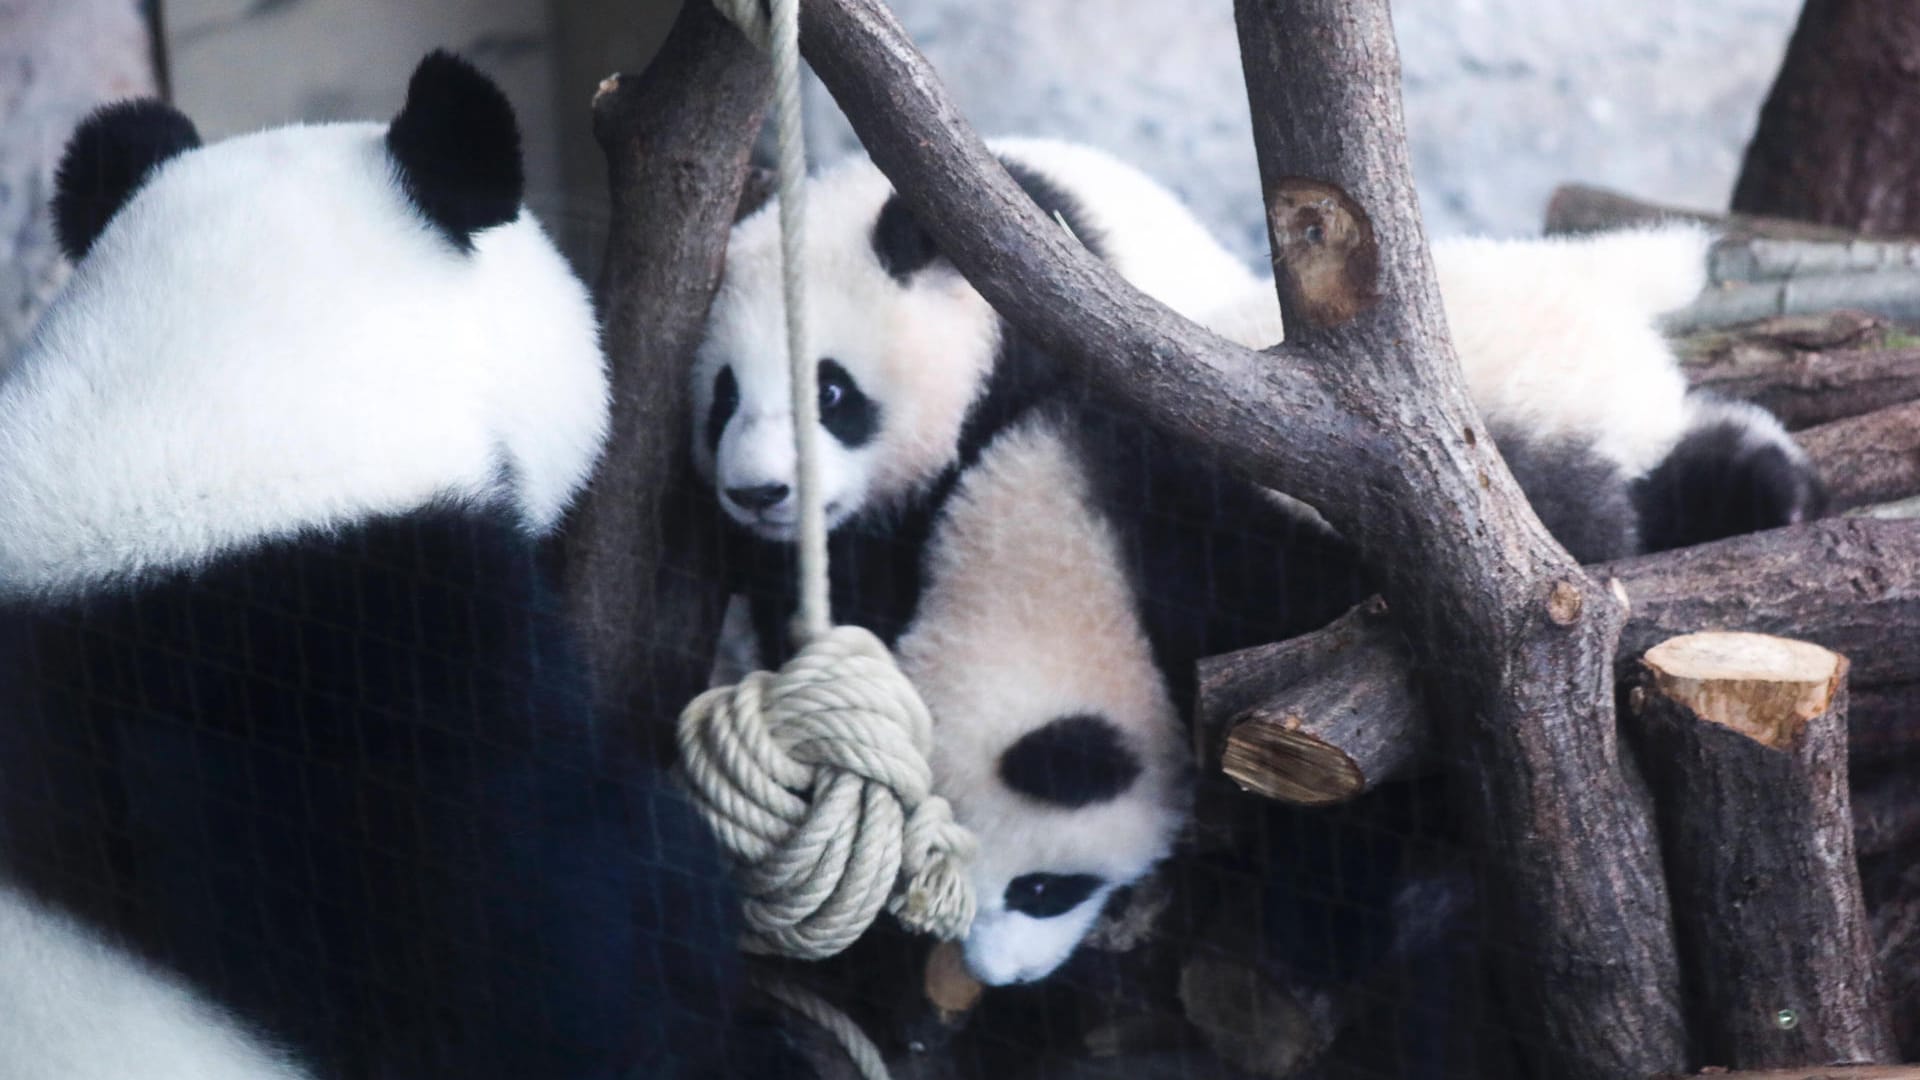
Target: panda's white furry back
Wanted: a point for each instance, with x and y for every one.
(287, 705)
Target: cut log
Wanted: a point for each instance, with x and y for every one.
(1807, 369)
(1326, 746)
(1868, 459)
(1742, 739)
(1852, 585)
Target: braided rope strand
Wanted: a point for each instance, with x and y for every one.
(815, 778)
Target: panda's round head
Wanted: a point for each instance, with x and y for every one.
(901, 344)
(292, 331)
(1055, 737)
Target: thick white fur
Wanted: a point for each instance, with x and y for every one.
(1028, 616)
(73, 1007)
(1557, 337)
(922, 351)
(268, 338)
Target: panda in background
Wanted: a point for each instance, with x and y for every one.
(286, 702)
(1559, 341)
(916, 371)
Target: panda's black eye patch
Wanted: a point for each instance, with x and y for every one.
(726, 401)
(847, 413)
(1072, 762)
(1044, 896)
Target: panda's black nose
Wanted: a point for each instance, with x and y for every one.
(761, 497)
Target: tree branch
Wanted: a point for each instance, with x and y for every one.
(1369, 422)
(642, 548)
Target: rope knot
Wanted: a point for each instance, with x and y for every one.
(815, 780)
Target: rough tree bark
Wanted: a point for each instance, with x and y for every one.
(642, 549)
(1836, 135)
(1880, 451)
(1369, 421)
(58, 60)
(1852, 585)
(1745, 750)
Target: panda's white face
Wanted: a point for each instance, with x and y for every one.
(1054, 737)
(899, 362)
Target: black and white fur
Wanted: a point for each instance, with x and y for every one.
(287, 707)
(1559, 341)
(917, 372)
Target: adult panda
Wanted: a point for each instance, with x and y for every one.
(286, 704)
(916, 371)
(1559, 341)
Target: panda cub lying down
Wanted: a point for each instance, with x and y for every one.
(297, 770)
(1050, 573)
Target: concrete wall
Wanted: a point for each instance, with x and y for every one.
(1505, 98)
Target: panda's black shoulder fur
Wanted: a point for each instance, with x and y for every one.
(347, 784)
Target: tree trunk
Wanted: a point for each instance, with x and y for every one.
(642, 551)
(1743, 741)
(59, 59)
(1836, 138)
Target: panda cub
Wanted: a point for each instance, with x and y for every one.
(287, 707)
(916, 371)
(1056, 735)
(1563, 358)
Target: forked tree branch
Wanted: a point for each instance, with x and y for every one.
(1368, 420)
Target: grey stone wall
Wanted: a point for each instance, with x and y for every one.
(1504, 98)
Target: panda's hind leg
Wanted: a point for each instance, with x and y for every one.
(1734, 471)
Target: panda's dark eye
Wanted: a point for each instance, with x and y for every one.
(846, 412)
(1044, 896)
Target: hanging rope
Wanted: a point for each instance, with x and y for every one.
(815, 777)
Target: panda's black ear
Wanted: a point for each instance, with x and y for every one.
(109, 156)
(1071, 762)
(901, 245)
(457, 148)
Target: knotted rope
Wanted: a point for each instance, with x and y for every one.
(815, 777)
